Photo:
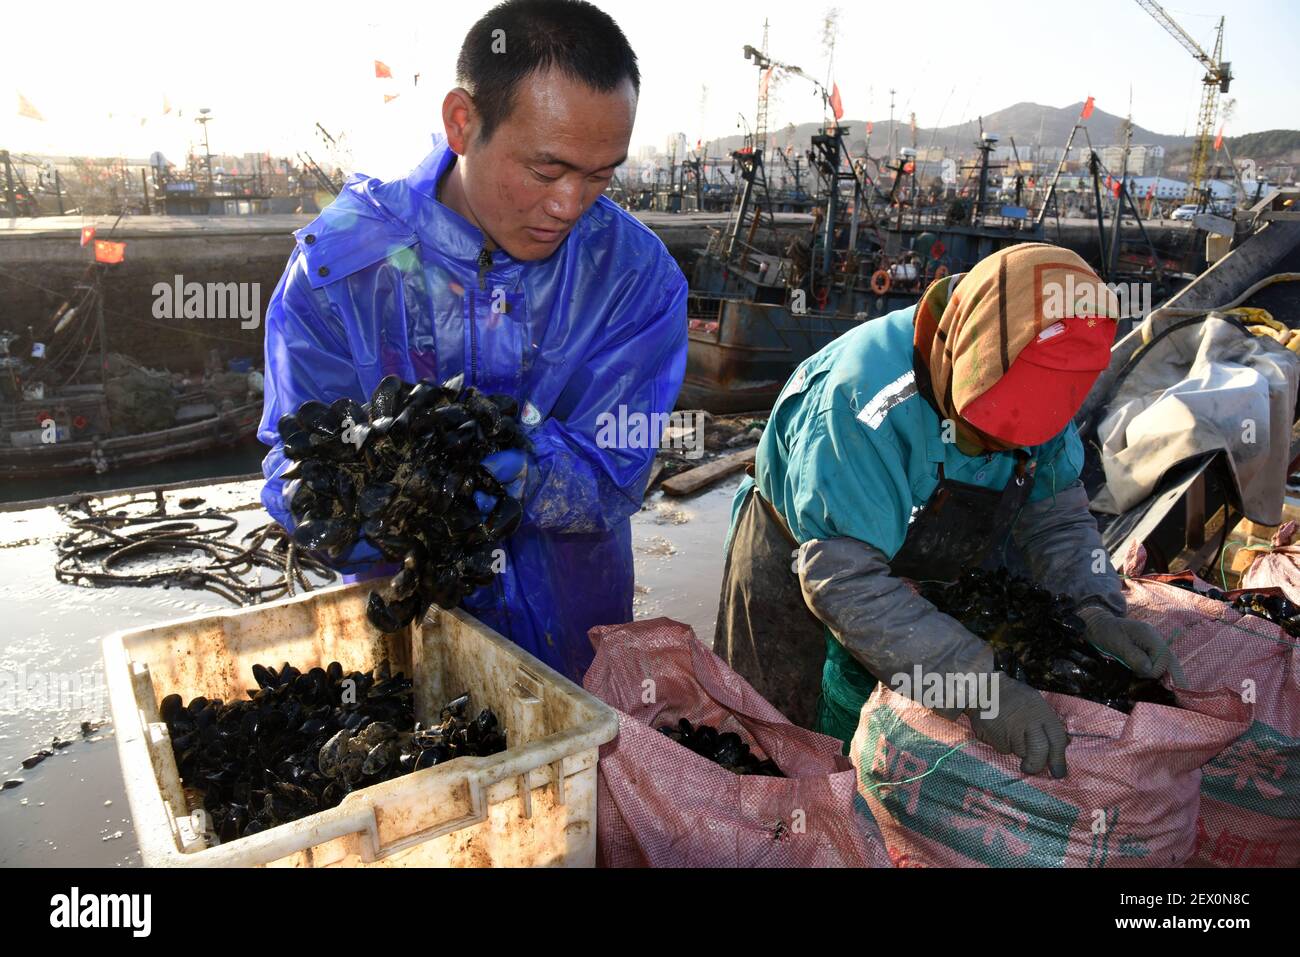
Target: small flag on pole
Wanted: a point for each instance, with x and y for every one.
(26, 109)
(1087, 109)
(870, 127)
(109, 252)
(766, 81)
(389, 97)
(1218, 140)
(837, 108)
(382, 71)
(87, 234)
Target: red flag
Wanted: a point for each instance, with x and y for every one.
(870, 126)
(766, 81)
(1218, 142)
(382, 71)
(87, 234)
(1087, 109)
(837, 108)
(107, 252)
(1115, 187)
(1151, 190)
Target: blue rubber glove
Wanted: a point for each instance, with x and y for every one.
(363, 561)
(510, 468)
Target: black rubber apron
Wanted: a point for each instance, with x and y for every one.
(959, 528)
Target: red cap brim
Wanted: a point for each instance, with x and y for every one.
(1030, 404)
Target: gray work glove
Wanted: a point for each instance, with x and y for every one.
(1025, 725)
(1135, 643)
(891, 630)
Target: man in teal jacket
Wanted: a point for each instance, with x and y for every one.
(916, 446)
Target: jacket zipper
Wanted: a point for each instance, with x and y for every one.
(484, 264)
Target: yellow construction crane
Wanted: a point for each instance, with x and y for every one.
(1218, 76)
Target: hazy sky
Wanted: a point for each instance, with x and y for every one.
(270, 70)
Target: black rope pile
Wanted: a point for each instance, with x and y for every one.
(127, 546)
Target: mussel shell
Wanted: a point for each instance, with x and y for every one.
(478, 567)
(504, 518)
(289, 425)
(171, 708)
(381, 614)
(386, 399)
(405, 582)
(297, 447)
(349, 408)
(345, 491)
(507, 404)
(319, 419)
(449, 418)
(375, 498)
(328, 534)
(455, 708)
(318, 477)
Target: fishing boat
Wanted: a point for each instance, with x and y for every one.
(754, 315)
(125, 415)
(98, 455)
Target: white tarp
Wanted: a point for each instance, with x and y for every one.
(1204, 387)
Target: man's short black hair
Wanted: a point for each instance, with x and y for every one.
(575, 37)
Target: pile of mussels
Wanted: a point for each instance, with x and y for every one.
(1275, 608)
(303, 741)
(726, 749)
(1037, 638)
(401, 471)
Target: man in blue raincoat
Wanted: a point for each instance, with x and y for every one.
(498, 258)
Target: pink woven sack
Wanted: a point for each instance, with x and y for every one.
(1277, 568)
(1250, 795)
(661, 805)
(943, 798)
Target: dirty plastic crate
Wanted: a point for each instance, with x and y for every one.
(531, 805)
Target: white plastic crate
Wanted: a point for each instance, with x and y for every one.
(531, 805)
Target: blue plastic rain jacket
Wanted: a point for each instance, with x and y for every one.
(387, 280)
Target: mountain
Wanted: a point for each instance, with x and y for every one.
(1028, 124)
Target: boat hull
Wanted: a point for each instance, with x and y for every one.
(77, 458)
(739, 360)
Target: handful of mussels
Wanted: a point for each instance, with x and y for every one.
(726, 749)
(401, 471)
(1275, 608)
(305, 740)
(1037, 638)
